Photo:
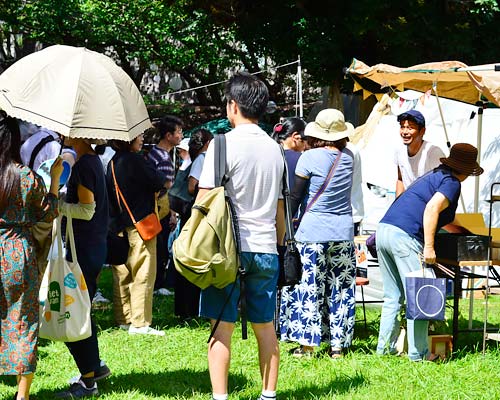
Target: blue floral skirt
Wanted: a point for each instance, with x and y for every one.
(322, 308)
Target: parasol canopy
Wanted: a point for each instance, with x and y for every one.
(75, 92)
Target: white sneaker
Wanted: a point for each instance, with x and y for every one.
(99, 298)
(163, 292)
(145, 330)
(125, 327)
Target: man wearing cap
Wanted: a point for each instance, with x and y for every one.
(405, 240)
(416, 156)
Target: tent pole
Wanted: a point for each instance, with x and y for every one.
(299, 76)
(448, 144)
(478, 145)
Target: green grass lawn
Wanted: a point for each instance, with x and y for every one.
(175, 366)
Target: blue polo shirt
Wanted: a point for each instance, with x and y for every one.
(407, 211)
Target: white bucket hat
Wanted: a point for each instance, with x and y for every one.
(329, 125)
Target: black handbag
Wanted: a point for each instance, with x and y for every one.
(289, 256)
(118, 247)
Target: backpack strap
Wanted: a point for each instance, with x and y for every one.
(220, 179)
(220, 152)
(40, 145)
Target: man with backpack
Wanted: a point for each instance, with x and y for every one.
(254, 170)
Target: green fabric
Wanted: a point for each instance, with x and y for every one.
(205, 251)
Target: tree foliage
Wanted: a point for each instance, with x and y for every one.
(203, 40)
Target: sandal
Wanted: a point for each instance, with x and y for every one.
(336, 353)
(300, 352)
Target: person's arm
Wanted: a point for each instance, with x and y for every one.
(435, 205)
(400, 188)
(201, 193)
(84, 209)
(192, 185)
(298, 193)
(280, 222)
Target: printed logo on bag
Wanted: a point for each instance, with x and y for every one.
(54, 296)
(63, 317)
(70, 281)
(83, 284)
(48, 316)
(68, 300)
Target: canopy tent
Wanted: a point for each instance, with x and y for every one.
(449, 79)
(453, 79)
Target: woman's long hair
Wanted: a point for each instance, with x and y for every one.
(197, 141)
(10, 144)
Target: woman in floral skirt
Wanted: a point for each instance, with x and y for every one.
(321, 308)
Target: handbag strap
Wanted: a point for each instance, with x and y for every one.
(289, 231)
(120, 194)
(325, 183)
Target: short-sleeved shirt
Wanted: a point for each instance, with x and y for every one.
(426, 159)
(162, 161)
(330, 217)
(407, 211)
(89, 173)
(138, 180)
(254, 166)
(291, 157)
(197, 166)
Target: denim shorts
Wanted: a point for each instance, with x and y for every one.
(261, 280)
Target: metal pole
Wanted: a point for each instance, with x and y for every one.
(299, 76)
(479, 135)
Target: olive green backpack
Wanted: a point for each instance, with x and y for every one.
(206, 252)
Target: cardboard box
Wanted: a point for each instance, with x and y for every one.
(442, 345)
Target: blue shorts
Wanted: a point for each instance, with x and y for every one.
(261, 280)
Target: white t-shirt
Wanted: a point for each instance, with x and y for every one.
(48, 152)
(197, 166)
(358, 207)
(426, 159)
(254, 167)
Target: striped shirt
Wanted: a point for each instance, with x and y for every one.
(162, 161)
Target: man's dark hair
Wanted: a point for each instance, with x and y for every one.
(249, 92)
(167, 124)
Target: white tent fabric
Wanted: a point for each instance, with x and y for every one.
(377, 152)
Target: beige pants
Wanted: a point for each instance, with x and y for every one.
(133, 282)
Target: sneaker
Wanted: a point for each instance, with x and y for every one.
(145, 330)
(102, 372)
(77, 391)
(124, 327)
(163, 292)
(99, 298)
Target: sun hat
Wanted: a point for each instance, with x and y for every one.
(412, 115)
(463, 159)
(184, 144)
(329, 125)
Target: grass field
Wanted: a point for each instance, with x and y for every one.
(175, 366)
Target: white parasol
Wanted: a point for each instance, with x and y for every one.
(75, 92)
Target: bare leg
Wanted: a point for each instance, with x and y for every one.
(219, 356)
(23, 386)
(269, 354)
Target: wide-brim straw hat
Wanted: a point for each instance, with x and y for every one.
(463, 159)
(329, 125)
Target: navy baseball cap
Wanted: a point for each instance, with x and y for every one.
(413, 115)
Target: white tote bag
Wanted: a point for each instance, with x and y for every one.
(64, 298)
